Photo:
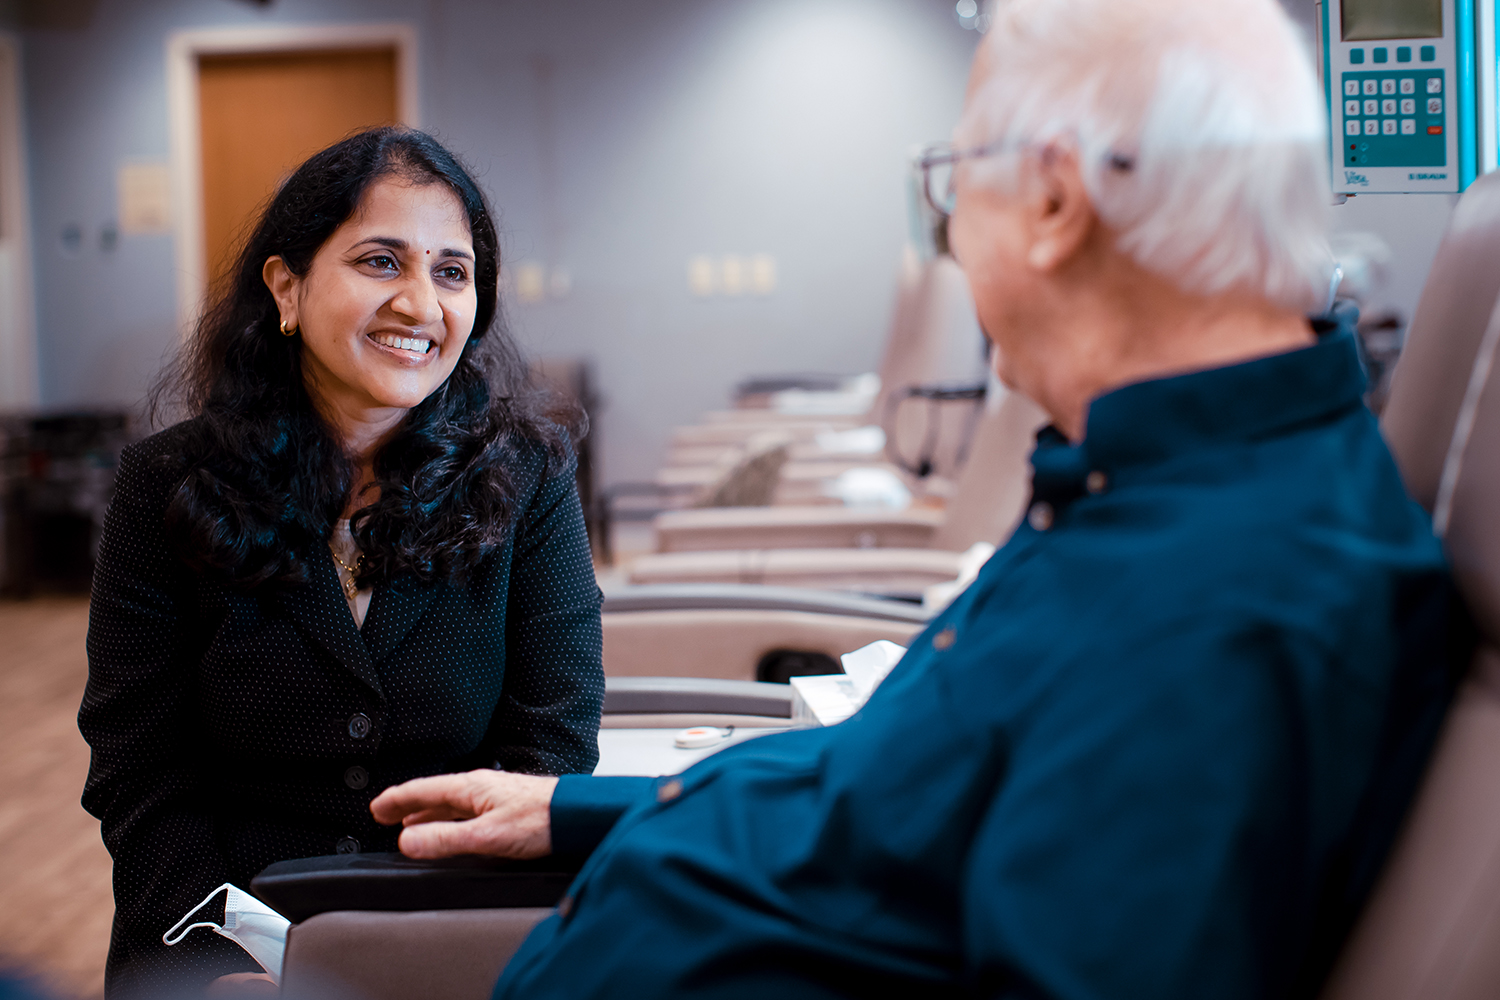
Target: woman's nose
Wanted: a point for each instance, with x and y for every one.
(417, 301)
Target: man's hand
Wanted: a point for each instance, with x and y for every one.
(496, 813)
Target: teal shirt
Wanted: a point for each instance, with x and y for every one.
(1158, 749)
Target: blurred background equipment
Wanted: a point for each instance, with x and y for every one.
(56, 477)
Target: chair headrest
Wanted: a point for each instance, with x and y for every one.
(1443, 417)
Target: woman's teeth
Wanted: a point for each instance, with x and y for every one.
(402, 343)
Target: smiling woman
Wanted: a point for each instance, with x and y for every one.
(361, 560)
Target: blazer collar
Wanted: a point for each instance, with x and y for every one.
(320, 610)
(392, 613)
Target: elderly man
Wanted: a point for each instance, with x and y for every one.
(1161, 745)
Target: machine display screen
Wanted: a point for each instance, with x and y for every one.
(1374, 20)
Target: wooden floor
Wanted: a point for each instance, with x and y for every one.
(54, 871)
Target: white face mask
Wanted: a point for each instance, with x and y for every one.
(248, 922)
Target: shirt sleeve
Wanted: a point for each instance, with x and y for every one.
(585, 809)
(547, 721)
(1158, 818)
(145, 781)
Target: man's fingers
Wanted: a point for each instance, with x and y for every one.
(432, 815)
(450, 791)
(443, 839)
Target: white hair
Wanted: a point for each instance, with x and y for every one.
(1199, 128)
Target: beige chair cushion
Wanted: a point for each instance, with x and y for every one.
(1432, 929)
(729, 643)
(357, 955)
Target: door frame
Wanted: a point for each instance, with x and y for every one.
(183, 51)
(21, 387)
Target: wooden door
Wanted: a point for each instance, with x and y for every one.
(262, 114)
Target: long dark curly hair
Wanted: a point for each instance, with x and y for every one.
(264, 478)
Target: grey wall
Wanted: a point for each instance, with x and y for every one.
(666, 128)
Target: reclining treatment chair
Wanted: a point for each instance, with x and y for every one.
(862, 549)
(1431, 931)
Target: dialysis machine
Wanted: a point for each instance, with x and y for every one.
(1410, 86)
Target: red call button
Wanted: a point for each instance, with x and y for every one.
(1434, 130)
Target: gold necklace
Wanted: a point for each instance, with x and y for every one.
(350, 587)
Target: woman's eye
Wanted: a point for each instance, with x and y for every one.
(382, 262)
(452, 272)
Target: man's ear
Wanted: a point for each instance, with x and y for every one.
(283, 285)
(1062, 214)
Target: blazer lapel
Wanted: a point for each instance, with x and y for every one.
(320, 611)
(392, 613)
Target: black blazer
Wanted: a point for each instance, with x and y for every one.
(232, 730)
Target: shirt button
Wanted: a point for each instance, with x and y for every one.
(347, 845)
(359, 725)
(669, 790)
(1097, 482)
(356, 777)
(1040, 515)
(944, 639)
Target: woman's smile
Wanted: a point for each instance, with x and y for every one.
(408, 349)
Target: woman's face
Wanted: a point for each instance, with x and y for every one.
(387, 305)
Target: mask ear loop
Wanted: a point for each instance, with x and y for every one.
(167, 938)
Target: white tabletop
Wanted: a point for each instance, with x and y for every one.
(653, 752)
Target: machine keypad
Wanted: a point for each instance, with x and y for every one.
(1382, 131)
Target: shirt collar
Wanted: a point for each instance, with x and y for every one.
(1148, 422)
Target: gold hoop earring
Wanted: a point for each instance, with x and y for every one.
(287, 333)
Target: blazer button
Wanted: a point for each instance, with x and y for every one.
(356, 777)
(347, 845)
(359, 725)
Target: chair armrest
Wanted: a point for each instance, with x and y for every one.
(653, 695)
(304, 887)
(755, 597)
(718, 529)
